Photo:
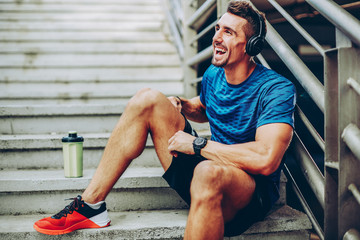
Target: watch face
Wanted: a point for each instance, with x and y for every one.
(199, 141)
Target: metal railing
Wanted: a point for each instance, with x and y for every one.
(336, 186)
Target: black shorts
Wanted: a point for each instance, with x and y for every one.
(179, 176)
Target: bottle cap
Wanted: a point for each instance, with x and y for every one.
(73, 137)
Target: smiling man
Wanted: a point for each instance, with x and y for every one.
(229, 181)
(250, 111)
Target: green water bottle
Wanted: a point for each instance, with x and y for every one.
(73, 155)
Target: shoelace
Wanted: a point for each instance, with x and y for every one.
(74, 205)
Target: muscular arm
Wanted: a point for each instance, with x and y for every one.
(262, 156)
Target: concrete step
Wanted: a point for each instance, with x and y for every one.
(82, 7)
(60, 100)
(86, 48)
(74, 100)
(93, 36)
(282, 224)
(44, 151)
(59, 119)
(40, 119)
(41, 26)
(166, 224)
(21, 152)
(44, 191)
(144, 2)
(71, 16)
(85, 91)
(93, 2)
(91, 75)
(32, 60)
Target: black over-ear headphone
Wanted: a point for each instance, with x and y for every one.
(256, 43)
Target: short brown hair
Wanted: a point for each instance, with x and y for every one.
(245, 10)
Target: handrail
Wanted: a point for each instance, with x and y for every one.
(341, 19)
(352, 234)
(176, 35)
(354, 85)
(304, 204)
(203, 32)
(355, 191)
(178, 11)
(297, 26)
(311, 128)
(201, 14)
(351, 136)
(262, 60)
(310, 170)
(175, 25)
(200, 57)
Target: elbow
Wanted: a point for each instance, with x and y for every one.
(266, 171)
(269, 166)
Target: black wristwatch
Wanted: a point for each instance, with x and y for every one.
(198, 144)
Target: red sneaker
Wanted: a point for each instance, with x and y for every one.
(77, 215)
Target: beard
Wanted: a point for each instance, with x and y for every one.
(219, 63)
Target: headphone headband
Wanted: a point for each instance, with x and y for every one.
(261, 26)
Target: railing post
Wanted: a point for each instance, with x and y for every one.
(190, 73)
(349, 112)
(331, 144)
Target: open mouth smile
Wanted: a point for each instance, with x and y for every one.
(220, 51)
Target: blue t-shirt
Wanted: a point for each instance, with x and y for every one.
(236, 111)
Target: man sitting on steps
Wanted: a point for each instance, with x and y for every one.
(230, 181)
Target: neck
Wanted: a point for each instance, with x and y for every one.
(239, 73)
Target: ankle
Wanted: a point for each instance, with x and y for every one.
(91, 199)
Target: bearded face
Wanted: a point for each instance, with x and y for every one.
(229, 41)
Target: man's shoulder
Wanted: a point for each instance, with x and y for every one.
(268, 73)
(270, 77)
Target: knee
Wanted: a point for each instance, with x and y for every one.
(144, 99)
(207, 183)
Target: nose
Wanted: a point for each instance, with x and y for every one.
(217, 37)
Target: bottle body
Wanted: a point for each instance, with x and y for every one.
(73, 159)
(73, 155)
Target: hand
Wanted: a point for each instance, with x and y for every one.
(181, 142)
(176, 102)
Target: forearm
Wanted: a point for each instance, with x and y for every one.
(193, 109)
(252, 157)
(262, 156)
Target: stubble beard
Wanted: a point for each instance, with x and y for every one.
(219, 63)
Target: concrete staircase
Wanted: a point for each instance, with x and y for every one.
(72, 65)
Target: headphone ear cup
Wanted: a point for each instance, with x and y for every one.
(254, 45)
(249, 44)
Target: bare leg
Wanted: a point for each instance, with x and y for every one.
(217, 193)
(148, 111)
